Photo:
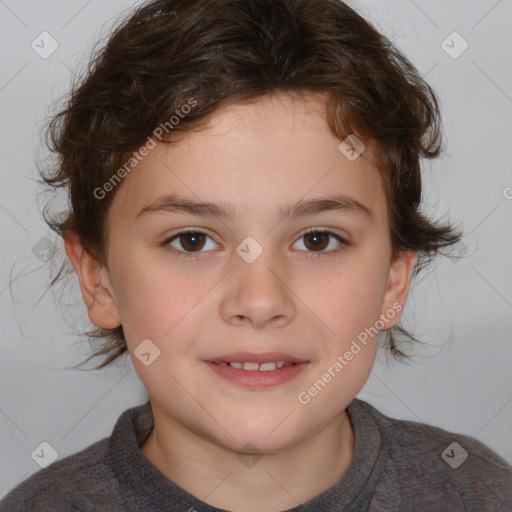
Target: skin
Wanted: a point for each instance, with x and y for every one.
(256, 157)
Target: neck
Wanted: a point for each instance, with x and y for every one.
(253, 482)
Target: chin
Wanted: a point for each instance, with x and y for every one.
(260, 439)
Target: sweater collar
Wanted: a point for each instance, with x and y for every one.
(153, 490)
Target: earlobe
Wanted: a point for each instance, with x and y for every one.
(95, 284)
(399, 280)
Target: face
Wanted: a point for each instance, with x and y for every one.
(253, 280)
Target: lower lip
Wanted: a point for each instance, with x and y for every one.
(257, 379)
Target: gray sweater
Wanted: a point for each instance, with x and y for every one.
(397, 466)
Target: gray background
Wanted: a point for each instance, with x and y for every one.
(460, 380)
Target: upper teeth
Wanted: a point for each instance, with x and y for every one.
(262, 367)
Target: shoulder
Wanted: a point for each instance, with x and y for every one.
(436, 462)
(62, 485)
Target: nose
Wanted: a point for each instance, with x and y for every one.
(259, 294)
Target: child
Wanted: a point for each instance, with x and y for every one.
(245, 189)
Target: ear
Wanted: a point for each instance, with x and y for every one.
(399, 278)
(95, 283)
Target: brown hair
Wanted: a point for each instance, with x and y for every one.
(221, 52)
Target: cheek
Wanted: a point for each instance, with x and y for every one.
(349, 307)
(350, 300)
(160, 314)
(152, 298)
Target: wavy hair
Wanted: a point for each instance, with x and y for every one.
(222, 52)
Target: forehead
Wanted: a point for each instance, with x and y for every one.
(254, 158)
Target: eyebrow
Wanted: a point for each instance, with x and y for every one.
(304, 207)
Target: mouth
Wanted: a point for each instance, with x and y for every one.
(257, 361)
(253, 366)
(257, 371)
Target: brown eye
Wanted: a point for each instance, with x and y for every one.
(189, 243)
(192, 241)
(319, 243)
(316, 240)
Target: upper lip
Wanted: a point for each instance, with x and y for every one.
(264, 357)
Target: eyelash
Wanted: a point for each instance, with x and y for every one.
(314, 254)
